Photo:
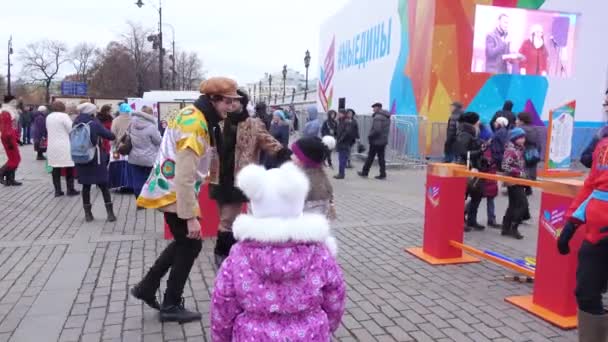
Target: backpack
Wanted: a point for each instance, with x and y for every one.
(82, 149)
(532, 156)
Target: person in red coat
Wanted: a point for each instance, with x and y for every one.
(536, 56)
(588, 211)
(9, 134)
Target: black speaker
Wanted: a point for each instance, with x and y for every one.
(342, 103)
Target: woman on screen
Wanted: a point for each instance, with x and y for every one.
(536, 56)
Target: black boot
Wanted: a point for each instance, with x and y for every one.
(40, 156)
(88, 214)
(506, 226)
(10, 179)
(176, 312)
(493, 224)
(3, 175)
(515, 232)
(225, 241)
(57, 186)
(150, 299)
(110, 211)
(70, 185)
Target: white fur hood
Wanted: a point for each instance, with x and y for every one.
(307, 228)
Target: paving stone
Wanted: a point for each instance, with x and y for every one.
(391, 295)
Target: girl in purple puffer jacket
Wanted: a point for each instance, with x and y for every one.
(281, 280)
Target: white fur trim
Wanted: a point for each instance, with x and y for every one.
(307, 228)
(251, 181)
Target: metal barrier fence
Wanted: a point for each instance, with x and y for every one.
(582, 136)
(407, 137)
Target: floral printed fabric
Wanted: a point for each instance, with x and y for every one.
(513, 162)
(291, 291)
(187, 130)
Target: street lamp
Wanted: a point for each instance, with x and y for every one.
(306, 64)
(172, 57)
(284, 79)
(255, 86)
(269, 88)
(158, 40)
(8, 74)
(293, 95)
(260, 90)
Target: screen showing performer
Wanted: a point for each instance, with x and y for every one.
(523, 42)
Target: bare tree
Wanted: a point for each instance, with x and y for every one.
(113, 74)
(189, 70)
(41, 62)
(138, 47)
(82, 59)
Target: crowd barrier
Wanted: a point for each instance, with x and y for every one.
(554, 275)
(581, 137)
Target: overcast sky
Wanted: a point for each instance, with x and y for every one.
(238, 38)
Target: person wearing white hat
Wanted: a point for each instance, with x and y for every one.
(95, 171)
(10, 139)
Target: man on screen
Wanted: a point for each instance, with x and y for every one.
(498, 47)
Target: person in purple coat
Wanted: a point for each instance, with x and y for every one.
(281, 280)
(40, 134)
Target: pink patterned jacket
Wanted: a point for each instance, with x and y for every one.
(280, 282)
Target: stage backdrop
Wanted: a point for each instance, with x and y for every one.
(416, 56)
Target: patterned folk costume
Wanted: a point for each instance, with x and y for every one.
(188, 130)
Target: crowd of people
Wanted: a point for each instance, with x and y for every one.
(246, 160)
(509, 145)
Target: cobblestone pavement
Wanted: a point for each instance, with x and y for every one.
(64, 280)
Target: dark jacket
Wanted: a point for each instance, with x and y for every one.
(533, 139)
(94, 172)
(39, 131)
(381, 126)
(280, 132)
(587, 156)
(498, 145)
(496, 47)
(468, 141)
(347, 135)
(330, 127)
(452, 129)
(25, 119)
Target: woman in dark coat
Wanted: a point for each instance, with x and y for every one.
(468, 146)
(330, 127)
(96, 171)
(346, 138)
(279, 129)
(40, 134)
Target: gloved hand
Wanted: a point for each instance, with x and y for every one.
(565, 237)
(283, 156)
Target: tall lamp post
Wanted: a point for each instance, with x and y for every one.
(306, 64)
(173, 57)
(284, 79)
(293, 95)
(269, 88)
(158, 40)
(8, 74)
(255, 86)
(260, 91)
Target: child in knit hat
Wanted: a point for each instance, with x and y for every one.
(309, 153)
(514, 165)
(281, 280)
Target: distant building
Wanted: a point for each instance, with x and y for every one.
(293, 80)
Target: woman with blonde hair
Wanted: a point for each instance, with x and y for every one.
(536, 56)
